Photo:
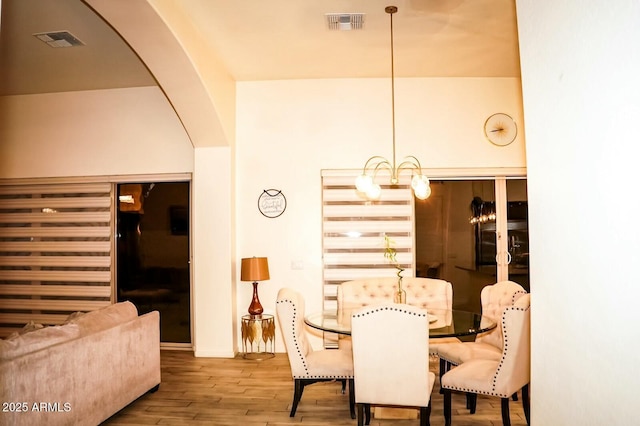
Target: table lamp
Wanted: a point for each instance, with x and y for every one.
(254, 269)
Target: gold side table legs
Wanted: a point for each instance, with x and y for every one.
(258, 336)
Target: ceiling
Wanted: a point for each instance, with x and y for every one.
(258, 40)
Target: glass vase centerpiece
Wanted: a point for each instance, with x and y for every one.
(390, 253)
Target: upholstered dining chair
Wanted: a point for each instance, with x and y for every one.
(390, 345)
(494, 299)
(501, 377)
(309, 366)
(427, 293)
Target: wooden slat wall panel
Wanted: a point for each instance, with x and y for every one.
(56, 251)
(353, 232)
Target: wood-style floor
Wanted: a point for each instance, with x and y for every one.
(220, 392)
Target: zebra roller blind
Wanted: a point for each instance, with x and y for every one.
(353, 230)
(55, 251)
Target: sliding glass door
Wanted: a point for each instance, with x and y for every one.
(153, 254)
(473, 232)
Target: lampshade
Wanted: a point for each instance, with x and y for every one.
(254, 269)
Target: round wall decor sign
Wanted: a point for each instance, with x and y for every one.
(272, 203)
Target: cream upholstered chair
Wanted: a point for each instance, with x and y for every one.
(309, 366)
(501, 377)
(391, 359)
(427, 293)
(494, 299)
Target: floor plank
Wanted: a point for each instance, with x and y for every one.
(235, 391)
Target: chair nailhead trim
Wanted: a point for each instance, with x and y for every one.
(295, 337)
(299, 350)
(504, 353)
(505, 346)
(388, 308)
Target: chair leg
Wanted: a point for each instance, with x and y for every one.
(298, 388)
(344, 385)
(514, 396)
(297, 394)
(525, 401)
(447, 407)
(506, 420)
(472, 401)
(299, 385)
(360, 410)
(425, 414)
(367, 414)
(444, 367)
(352, 399)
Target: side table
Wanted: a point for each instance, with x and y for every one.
(258, 336)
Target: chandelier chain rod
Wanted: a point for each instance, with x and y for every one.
(393, 102)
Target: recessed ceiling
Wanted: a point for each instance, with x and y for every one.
(280, 39)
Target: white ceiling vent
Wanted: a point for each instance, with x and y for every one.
(345, 21)
(59, 39)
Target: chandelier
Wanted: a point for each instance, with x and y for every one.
(365, 182)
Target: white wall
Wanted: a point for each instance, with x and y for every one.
(580, 69)
(288, 131)
(100, 132)
(214, 293)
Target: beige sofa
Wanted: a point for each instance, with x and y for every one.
(81, 372)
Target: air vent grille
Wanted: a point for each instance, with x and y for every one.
(345, 21)
(59, 39)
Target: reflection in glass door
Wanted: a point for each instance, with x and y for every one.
(153, 254)
(517, 244)
(473, 233)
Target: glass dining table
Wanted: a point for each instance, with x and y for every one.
(442, 323)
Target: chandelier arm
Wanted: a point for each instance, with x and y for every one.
(369, 166)
(414, 159)
(410, 159)
(409, 164)
(384, 163)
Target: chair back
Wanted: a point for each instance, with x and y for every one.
(514, 369)
(391, 355)
(425, 293)
(290, 314)
(494, 299)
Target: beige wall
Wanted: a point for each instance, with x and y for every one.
(101, 132)
(283, 146)
(580, 102)
(581, 90)
(290, 130)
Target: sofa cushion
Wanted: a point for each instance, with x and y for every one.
(103, 318)
(21, 344)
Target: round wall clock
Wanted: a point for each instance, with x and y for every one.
(500, 129)
(272, 203)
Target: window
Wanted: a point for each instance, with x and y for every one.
(55, 251)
